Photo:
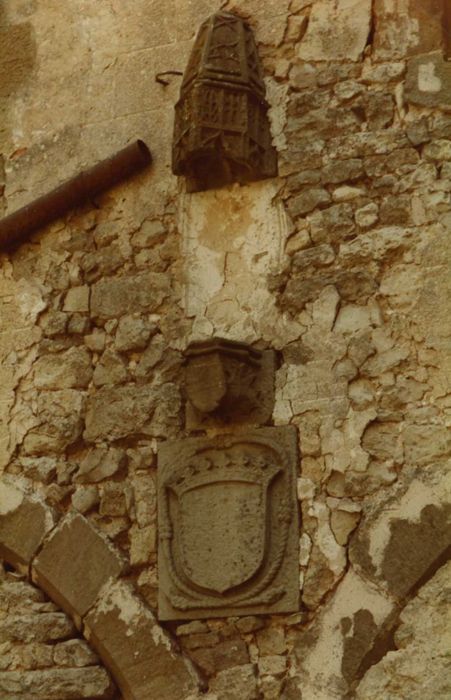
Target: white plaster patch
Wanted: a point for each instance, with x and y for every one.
(233, 238)
(428, 81)
(334, 553)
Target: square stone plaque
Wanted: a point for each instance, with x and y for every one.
(228, 525)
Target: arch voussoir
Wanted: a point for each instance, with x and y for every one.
(80, 570)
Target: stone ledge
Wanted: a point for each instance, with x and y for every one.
(24, 523)
(74, 564)
(136, 650)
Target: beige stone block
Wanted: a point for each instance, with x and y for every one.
(236, 682)
(336, 32)
(111, 298)
(136, 649)
(77, 300)
(67, 370)
(114, 412)
(46, 627)
(23, 525)
(74, 564)
(273, 665)
(142, 544)
(74, 653)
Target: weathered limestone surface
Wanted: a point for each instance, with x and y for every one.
(341, 265)
(23, 525)
(74, 564)
(422, 639)
(41, 656)
(151, 668)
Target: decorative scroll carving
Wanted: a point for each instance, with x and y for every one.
(228, 382)
(228, 525)
(221, 131)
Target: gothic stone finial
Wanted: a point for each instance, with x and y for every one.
(221, 132)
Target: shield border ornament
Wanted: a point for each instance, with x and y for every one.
(265, 456)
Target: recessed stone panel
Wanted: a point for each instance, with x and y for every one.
(228, 525)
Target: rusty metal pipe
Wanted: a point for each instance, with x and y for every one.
(72, 193)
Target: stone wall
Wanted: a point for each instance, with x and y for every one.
(341, 264)
(41, 653)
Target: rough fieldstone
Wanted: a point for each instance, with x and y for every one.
(77, 300)
(114, 412)
(151, 232)
(342, 170)
(85, 498)
(23, 525)
(60, 422)
(307, 201)
(100, 463)
(74, 564)
(367, 216)
(271, 641)
(136, 649)
(101, 262)
(45, 627)
(56, 684)
(67, 370)
(75, 653)
(133, 333)
(232, 652)
(236, 682)
(111, 298)
(111, 369)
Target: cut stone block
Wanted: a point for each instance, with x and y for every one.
(74, 565)
(428, 80)
(23, 525)
(136, 649)
(228, 525)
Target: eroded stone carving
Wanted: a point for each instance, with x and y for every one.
(228, 525)
(228, 382)
(221, 131)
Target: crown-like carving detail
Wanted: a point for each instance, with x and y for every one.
(223, 466)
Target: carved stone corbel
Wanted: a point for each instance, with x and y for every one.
(227, 383)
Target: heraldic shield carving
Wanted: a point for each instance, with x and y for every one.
(228, 525)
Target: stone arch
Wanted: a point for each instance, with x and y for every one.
(85, 575)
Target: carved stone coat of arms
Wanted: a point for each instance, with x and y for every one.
(228, 525)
